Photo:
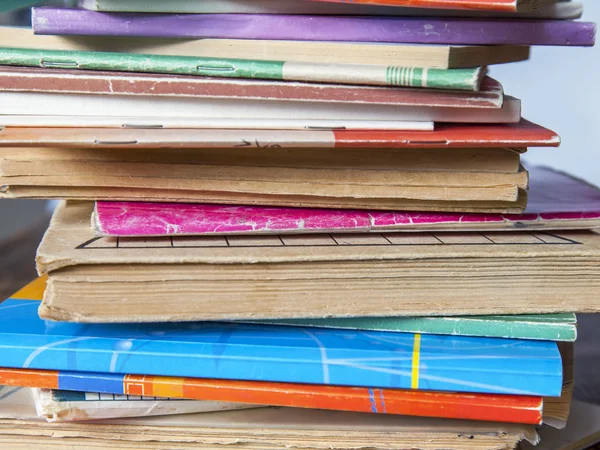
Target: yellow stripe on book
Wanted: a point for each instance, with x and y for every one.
(33, 291)
(416, 357)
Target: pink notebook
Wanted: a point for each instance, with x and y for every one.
(556, 201)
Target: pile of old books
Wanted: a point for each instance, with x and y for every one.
(289, 224)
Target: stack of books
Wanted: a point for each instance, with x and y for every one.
(290, 224)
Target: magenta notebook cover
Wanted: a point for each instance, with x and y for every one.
(557, 201)
(410, 30)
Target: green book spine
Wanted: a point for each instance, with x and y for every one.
(462, 79)
(556, 327)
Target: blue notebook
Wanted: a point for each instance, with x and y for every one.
(280, 354)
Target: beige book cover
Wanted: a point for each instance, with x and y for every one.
(100, 279)
(434, 56)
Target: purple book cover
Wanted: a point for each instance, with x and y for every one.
(315, 28)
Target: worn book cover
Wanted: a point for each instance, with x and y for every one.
(401, 274)
(271, 172)
(520, 135)
(127, 396)
(433, 56)
(74, 406)
(19, 79)
(282, 354)
(258, 427)
(556, 201)
(352, 74)
(269, 428)
(460, 31)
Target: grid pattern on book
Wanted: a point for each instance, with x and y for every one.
(92, 396)
(341, 239)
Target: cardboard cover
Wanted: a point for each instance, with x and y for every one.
(414, 274)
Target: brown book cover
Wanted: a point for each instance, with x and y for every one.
(104, 279)
(25, 79)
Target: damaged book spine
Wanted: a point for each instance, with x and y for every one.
(70, 406)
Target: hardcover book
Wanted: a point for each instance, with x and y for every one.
(281, 354)
(556, 201)
(96, 279)
(460, 31)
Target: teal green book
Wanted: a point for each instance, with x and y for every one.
(545, 327)
(355, 74)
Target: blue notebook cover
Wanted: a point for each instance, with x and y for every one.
(280, 354)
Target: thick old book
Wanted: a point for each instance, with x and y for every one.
(555, 201)
(560, 10)
(356, 176)
(353, 74)
(315, 28)
(282, 354)
(210, 112)
(100, 279)
(116, 84)
(483, 5)
(258, 428)
(518, 135)
(544, 327)
(267, 428)
(433, 56)
(73, 406)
